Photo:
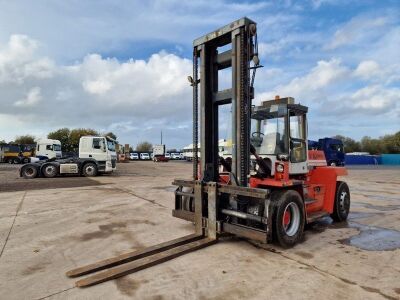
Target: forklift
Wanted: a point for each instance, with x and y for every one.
(267, 191)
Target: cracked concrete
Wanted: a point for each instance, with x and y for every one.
(62, 228)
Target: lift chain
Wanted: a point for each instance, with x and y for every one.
(243, 107)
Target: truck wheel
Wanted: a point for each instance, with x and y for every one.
(89, 170)
(332, 164)
(16, 160)
(10, 161)
(49, 171)
(341, 206)
(288, 220)
(25, 160)
(29, 172)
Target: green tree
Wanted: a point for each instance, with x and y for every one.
(2, 142)
(144, 147)
(25, 139)
(372, 146)
(76, 134)
(111, 135)
(62, 135)
(391, 143)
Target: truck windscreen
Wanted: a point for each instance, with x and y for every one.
(110, 146)
(56, 147)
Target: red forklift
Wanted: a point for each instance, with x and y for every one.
(270, 187)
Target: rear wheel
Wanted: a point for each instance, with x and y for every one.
(16, 160)
(332, 164)
(341, 206)
(89, 170)
(288, 220)
(29, 172)
(49, 171)
(25, 160)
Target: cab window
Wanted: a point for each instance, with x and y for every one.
(297, 127)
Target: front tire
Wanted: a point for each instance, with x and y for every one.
(341, 206)
(89, 170)
(288, 219)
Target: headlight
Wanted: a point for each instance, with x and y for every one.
(280, 168)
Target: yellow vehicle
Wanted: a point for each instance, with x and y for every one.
(16, 154)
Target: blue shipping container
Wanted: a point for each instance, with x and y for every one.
(361, 160)
(390, 159)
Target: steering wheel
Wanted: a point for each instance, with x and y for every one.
(258, 133)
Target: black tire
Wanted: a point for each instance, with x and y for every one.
(16, 160)
(341, 206)
(25, 160)
(288, 204)
(332, 163)
(89, 170)
(10, 161)
(29, 172)
(49, 170)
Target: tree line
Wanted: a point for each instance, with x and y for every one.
(69, 139)
(386, 144)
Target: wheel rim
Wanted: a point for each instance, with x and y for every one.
(49, 169)
(291, 219)
(344, 202)
(89, 170)
(29, 171)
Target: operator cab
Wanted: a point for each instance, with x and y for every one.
(279, 133)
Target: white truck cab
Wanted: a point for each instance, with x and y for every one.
(102, 149)
(49, 148)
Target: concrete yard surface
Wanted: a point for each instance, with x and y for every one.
(49, 226)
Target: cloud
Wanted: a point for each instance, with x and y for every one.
(375, 99)
(32, 98)
(102, 93)
(312, 85)
(18, 62)
(368, 69)
(357, 30)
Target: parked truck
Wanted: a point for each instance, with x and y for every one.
(48, 148)
(96, 155)
(159, 153)
(332, 148)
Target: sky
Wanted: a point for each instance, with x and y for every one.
(122, 66)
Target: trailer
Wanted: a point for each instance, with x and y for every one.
(269, 201)
(96, 155)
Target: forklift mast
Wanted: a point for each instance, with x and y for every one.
(240, 37)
